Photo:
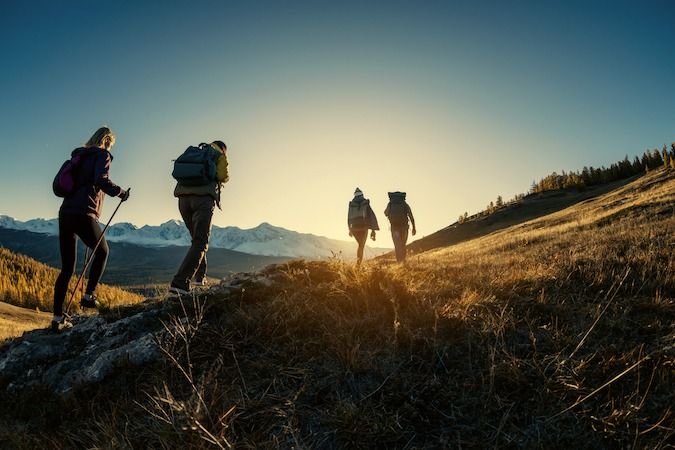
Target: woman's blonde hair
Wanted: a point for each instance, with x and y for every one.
(103, 138)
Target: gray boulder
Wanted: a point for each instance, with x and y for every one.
(86, 354)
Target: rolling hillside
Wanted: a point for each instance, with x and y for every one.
(530, 207)
(130, 264)
(554, 333)
(30, 284)
(15, 320)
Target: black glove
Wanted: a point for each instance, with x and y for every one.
(124, 195)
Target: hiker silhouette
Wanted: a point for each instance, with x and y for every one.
(360, 219)
(200, 173)
(78, 217)
(399, 214)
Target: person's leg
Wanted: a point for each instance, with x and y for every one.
(202, 213)
(395, 240)
(404, 241)
(201, 270)
(361, 236)
(397, 235)
(186, 212)
(90, 232)
(68, 247)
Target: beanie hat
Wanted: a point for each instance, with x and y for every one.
(220, 145)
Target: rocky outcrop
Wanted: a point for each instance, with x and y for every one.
(97, 346)
(86, 354)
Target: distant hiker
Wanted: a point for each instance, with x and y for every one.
(78, 217)
(200, 172)
(398, 212)
(361, 218)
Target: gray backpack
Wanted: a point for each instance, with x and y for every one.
(358, 214)
(196, 166)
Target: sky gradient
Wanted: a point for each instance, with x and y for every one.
(452, 102)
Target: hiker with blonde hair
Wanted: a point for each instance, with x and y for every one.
(360, 219)
(78, 217)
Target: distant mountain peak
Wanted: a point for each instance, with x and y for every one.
(173, 223)
(265, 239)
(268, 226)
(126, 225)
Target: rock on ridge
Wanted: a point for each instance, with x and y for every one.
(86, 354)
(95, 347)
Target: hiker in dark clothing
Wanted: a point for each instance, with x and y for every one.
(196, 204)
(399, 212)
(78, 217)
(361, 218)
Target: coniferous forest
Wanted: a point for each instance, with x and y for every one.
(588, 176)
(591, 176)
(30, 284)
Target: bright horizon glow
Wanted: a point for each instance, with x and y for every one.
(454, 103)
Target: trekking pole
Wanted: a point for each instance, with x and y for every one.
(85, 263)
(93, 252)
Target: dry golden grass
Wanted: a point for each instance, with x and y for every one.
(14, 321)
(556, 333)
(9, 329)
(28, 283)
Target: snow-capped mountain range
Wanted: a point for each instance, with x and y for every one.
(265, 239)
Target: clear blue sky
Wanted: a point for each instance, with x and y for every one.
(453, 102)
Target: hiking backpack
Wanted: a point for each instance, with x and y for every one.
(196, 166)
(357, 216)
(398, 212)
(65, 181)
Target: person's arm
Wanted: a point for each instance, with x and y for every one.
(349, 225)
(222, 169)
(373, 219)
(102, 178)
(373, 222)
(412, 219)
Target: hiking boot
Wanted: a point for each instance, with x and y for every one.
(60, 324)
(179, 289)
(203, 282)
(89, 301)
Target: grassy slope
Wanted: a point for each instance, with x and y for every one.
(551, 334)
(15, 320)
(531, 207)
(30, 284)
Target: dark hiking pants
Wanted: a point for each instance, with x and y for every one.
(400, 236)
(88, 230)
(197, 212)
(361, 237)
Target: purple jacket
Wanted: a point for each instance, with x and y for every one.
(92, 177)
